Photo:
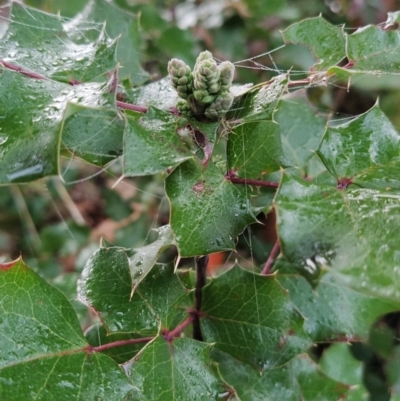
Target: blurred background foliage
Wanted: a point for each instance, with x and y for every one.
(56, 224)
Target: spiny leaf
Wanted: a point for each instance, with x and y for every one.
(326, 41)
(105, 285)
(176, 371)
(152, 143)
(351, 233)
(299, 379)
(39, 42)
(365, 151)
(207, 211)
(43, 351)
(252, 318)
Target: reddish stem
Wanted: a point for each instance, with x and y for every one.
(21, 70)
(128, 106)
(170, 335)
(120, 343)
(259, 183)
(271, 259)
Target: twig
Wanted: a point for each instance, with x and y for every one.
(128, 106)
(201, 279)
(259, 183)
(170, 335)
(21, 70)
(271, 259)
(120, 343)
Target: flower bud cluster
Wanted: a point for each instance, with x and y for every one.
(206, 89)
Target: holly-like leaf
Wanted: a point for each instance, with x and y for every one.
(259, 102)
(207, 210)
(365, 151)
(119, 24)
(152, 143)
(176, 371)
(254, 149)
(325, 41)
(38, 42)
(334, 312)
(252, 318)
(105, 285)
(371, 50)
(301, 133)
(299, 379)
(351, 233)
(44, 354)
(32, 114)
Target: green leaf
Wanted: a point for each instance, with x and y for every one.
(98, 335)
(118, 24)
(39, 42)
(366, 150)
(158, 301)
(338, 363)
(152, 143)
(258, 102)
(371, 50)
(392, 371)
(160, 94)
(299, 379)
(43, 351)
(207, 211)
(326, 41)
(301, 133)
(94, 135)
(352, 234)
(334, 312)
(32, 114)
(254, 149)
(176, 371)
(252, 318)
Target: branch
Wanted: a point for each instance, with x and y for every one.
(120, 343)
(21, 70)
(201, 279)
(128, 106)
(271, 259)
(170, 335)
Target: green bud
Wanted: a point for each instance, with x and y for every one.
(181, 77)
(184, 108)
(227, 71)
(220, 105)
(206, 55)
(206, 81)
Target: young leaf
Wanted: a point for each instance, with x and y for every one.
(351, 233)
(365, 151)
(207, 211)
(252, 318)
(152, 143)
(176, 371)
(325, 41)
(38, 42)
(43, 353)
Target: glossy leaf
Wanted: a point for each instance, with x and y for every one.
(366, 150)
(207, 211)
(158, 302)
(334, 312)
(301, 133)
(32, 114)
(152, 143)
(118, 24)
(351, 233)
(252, 318)
(299, 379)
(176, 371)
(32, 41)
(325, 41)
(254, 149)
(258, 103)
(43, 351)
